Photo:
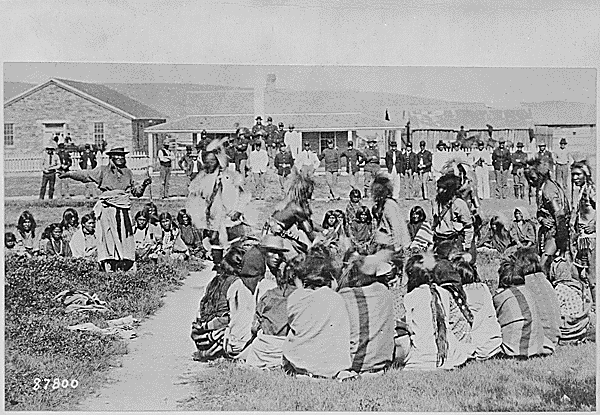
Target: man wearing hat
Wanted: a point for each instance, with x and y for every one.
(190, 164)
(283, 163)
(280, 135)
(439, 159)
(393, 162)
(293, 141)
(331, 156)
(87, 161)
(481, 159)
(114, 230)
(354, 158)
(258, 128)
(165, 158)
(50, 164)
(372, 166)
(562, 161)
(62, 186)
(501, 161)
(543, 153)
(271, 131)
(424, 162)
(408, 171)
(519, 162)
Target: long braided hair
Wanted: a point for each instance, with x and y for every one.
(419, 269)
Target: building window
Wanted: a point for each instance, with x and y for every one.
(9, 134)
(98, 133)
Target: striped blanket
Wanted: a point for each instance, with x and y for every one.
(423, 239)
(114, 231)
(548, 306)
(519, 318)
(372, 325)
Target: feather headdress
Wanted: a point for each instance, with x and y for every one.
(451, 166)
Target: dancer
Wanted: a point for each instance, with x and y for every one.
(292, 220)
(216, 197)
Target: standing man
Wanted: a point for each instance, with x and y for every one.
(50, 164)
(283, 163)
(372, 166)
(87, 161)
(544, 154)
(562, 161)
(271, 131)
(583, 223)
(409, 171)
(184, 163)
(114, 230)
(62, 186)
(393, 162)
(331, 156)
(258, 162)
(481, 159)
(553, 211)
(501, 160)
(424, 162)
(279, 136)
(354, 158)
(240, 152)
(293, 141)
(519, 162)
(461, 135)
(439, 159)
(307, 160)
(165, 158)
(258, 127)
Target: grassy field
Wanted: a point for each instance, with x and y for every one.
(563, 382)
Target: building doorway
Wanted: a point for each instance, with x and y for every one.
(52, 129)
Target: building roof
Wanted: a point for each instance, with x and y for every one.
(471, 119)
(303, 122)
(99, 94)
(562, 113)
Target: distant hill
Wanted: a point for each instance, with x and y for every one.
(12, 89)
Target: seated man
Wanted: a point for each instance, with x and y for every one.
(370, 307)
(223, 324)
(319, 341)
(271, 321)
(518, 314)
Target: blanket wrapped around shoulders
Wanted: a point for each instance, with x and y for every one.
(114, 232)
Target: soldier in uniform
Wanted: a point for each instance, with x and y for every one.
(283, 163)
(424, 162)
(354, 158)
(372, 165)
(519, 161)
(271, 131)
(409, 171)
(393, 162)
(501, 160)
(331, 156)
(553, 212)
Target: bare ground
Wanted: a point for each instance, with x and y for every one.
(156, 373)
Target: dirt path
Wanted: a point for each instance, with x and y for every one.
(154, 374)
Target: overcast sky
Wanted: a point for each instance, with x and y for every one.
(499, 86)
(407, 33)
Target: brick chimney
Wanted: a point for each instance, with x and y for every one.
(259, 95)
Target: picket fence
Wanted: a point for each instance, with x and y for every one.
(25, 166)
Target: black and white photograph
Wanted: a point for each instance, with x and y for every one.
(300, 207)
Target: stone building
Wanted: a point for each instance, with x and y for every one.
(89, 113)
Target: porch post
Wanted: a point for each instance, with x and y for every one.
(350, 137)
(150, 152)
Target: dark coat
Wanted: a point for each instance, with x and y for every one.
(389, 158)
(83, 160)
